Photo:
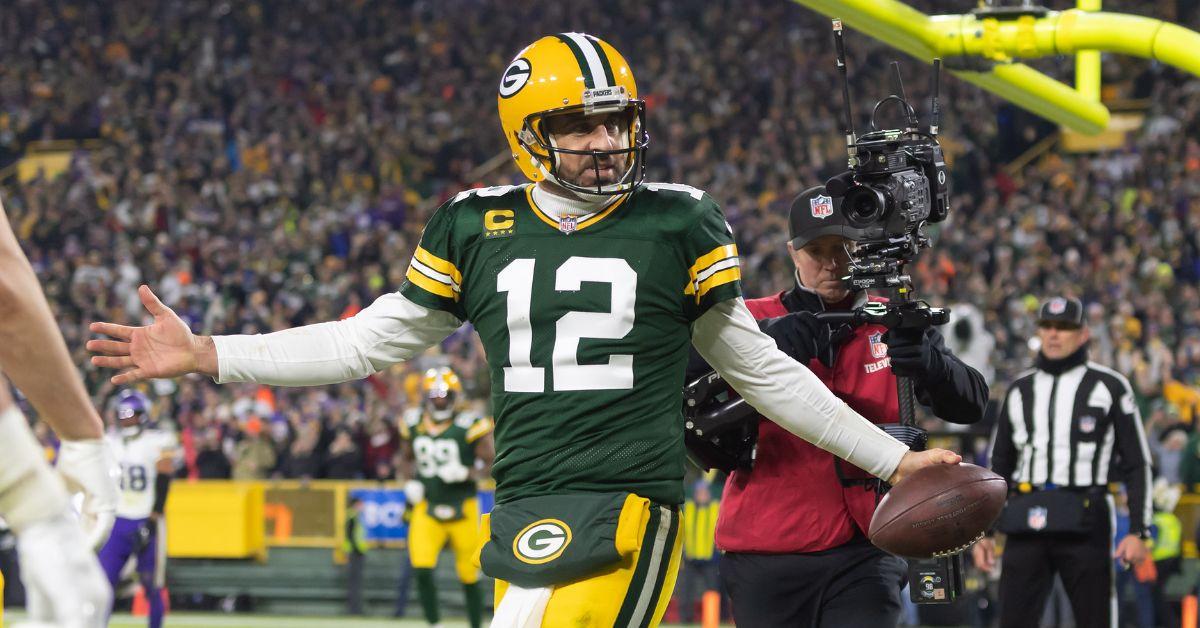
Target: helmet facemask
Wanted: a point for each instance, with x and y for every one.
(535, 138)
(130, 421)
(440, 403)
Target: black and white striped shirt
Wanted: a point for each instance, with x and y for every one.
(1078, 427)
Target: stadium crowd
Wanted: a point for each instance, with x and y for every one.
(270, 164)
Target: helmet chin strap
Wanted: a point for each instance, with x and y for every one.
(442, 415)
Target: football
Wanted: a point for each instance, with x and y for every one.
(937, 511)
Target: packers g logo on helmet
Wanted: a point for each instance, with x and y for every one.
(542, 541)
(515, 77)
(571, 73)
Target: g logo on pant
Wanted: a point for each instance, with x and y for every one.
(542, 541)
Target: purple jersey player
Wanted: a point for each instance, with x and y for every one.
(146, 457)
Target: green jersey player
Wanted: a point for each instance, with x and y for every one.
(586, 287)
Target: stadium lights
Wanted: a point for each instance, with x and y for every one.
(982, 47)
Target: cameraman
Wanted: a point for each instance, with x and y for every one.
(793, 532)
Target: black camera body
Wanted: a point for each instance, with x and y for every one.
(898, 183)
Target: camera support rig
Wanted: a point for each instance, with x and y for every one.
(897, 183)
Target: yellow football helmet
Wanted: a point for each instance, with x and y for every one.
(569, 73)
(442, 389)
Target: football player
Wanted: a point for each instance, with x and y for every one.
(147, 458)
(444, 442)
(63, 582)
(586, 288)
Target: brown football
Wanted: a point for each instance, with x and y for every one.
(938, 510)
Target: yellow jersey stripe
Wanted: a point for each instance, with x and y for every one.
(429, 285)
(708, 259)
(719, 279)
(479, 429)
(438, 264)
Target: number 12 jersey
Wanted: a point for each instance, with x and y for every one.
(586, 326)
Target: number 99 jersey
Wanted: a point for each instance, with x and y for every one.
(445, 454)
(138, 457)
(586, 326)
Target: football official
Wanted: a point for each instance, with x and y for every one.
(1066, 428)
(804, 560)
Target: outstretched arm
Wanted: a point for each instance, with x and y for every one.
(391, 330)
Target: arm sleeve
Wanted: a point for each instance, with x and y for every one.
(1133, 456)
(391, 330)
(961, 395)
(714, 273)
(787, 393)
(162, 485)
(1003, 456)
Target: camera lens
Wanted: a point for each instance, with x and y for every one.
(863, 206)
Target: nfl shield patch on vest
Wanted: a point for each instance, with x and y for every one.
(878, 347)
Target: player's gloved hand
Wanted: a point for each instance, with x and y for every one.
(64, 585)
(799, 334)
(414, 492)
(89, 467)
(452, 474)
(913, 355)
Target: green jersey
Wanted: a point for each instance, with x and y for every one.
(586, 325)
(445, 455)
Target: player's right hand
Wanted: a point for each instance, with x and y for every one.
(166, 348)
(64, 585)
(914, 460)
(984, 553)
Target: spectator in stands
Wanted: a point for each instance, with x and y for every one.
(302, 460)
(382, 443)
(344, 460)
(211, 461)
(253, 457)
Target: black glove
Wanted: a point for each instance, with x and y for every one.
(799, 334)
(912, 355)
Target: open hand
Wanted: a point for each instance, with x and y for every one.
(166, 348)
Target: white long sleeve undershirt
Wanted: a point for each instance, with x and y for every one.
(394, 329)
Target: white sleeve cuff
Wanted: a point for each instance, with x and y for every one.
(789, 394)
(393, 329)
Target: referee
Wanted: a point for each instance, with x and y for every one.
(1066, 428)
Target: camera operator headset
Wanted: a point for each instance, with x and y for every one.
(793, 527)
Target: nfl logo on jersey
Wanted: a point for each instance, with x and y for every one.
(878, 348)
(822, 206)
